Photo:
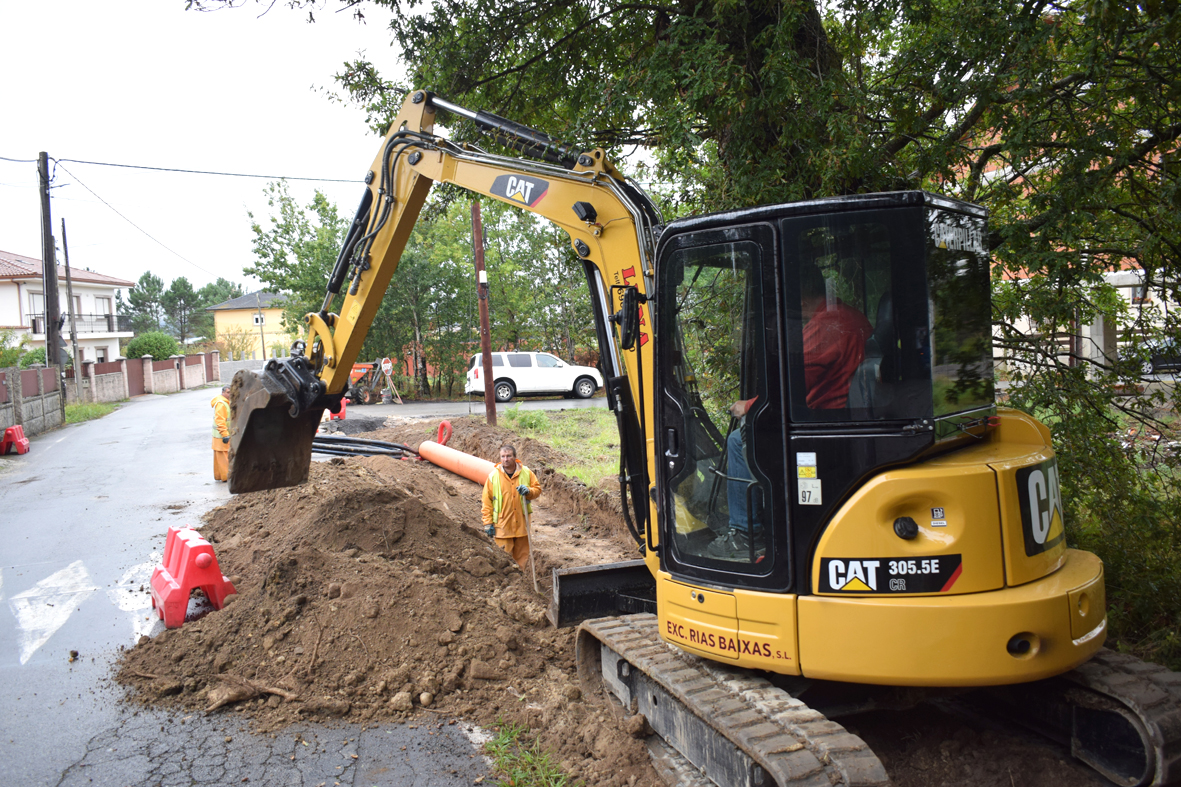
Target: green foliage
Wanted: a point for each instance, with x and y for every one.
(296, 251)
(219, 291)
(183, 308)
(520, 763)
(532, 420)
(145, 303)
(12, 347)
(33, 356)
(157, 344)
(588, 434)
(86, 411)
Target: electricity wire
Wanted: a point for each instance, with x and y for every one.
(204, 172)
(58, 162)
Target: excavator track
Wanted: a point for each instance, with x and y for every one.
(729, 724)
(1118, 714)
(1148, 698)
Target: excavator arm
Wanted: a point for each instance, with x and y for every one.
(612, 226)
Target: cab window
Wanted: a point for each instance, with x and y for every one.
(857, 316)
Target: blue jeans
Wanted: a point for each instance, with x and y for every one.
(736, 491)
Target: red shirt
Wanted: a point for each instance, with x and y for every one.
(834, 346)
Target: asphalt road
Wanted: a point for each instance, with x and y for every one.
(83, 518)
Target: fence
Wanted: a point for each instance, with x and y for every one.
(125, 378)
(30, 398)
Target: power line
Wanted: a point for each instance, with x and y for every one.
(203, 172)
(19, 160)
(58, 162)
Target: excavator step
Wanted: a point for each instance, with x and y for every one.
(728, 724)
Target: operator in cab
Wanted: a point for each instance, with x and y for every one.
(834, 342)
(505, 504)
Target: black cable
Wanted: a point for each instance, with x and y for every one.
(56, 162)
(203, 172)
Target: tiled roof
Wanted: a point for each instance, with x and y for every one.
(251, 300)
(16, 266)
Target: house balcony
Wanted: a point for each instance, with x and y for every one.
(90, 325)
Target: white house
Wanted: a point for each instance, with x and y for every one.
(22, 306)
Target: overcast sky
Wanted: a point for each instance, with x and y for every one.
(144, 82)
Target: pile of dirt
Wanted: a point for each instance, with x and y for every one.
(370, 594)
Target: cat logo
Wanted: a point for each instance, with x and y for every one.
(519, 189)
(853, 575)
(1041, 507)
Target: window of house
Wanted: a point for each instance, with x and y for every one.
(259, 319)
(102, 305)
(77, 304)
(36, 303)
(101, 354)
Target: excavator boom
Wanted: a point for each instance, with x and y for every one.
(611, 223)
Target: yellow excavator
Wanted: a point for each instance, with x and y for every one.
(832, 512)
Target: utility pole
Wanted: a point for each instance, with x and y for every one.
(482, 297)
(262, 337)
(73, 318)
(49, 271)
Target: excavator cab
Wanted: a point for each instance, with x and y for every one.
(803, 349)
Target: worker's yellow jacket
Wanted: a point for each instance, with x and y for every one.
(221, 422)
(501, 503)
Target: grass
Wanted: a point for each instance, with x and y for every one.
(77, 413)
(522, 765)
(588, 435)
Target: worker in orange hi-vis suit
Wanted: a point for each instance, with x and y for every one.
(507, 492)
(221, 435)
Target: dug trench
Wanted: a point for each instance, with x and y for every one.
(369, 594)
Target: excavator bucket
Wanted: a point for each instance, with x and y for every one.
(268, 447)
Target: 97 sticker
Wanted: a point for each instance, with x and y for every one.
(809, 491)
(890, 574)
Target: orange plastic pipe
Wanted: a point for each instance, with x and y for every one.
(466, 465)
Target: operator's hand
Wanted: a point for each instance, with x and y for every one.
(522, 489)
(490, 531)
(225, 439)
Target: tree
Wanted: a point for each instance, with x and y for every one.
(146, 303)
(296, 252)
(183, 308)
(235, 342)
(157, 344)
(219, 291)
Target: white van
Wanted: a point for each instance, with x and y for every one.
(532, 373)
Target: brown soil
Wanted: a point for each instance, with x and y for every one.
(370, 594)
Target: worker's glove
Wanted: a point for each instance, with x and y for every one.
(522, 490)
(225, 439)
(490, 531)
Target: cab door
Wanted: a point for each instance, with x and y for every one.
(720, 432)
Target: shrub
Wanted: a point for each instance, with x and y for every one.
(157, 344)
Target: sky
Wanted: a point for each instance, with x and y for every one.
(144, 82)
